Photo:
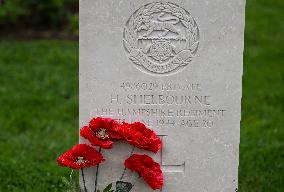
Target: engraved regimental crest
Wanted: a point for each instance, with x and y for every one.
(161, 38)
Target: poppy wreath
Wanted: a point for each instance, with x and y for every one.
(102, 133)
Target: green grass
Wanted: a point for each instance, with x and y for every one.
(38, 113)
(262, 131)
(39, 107)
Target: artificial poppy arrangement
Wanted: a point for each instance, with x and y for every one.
(102, 134)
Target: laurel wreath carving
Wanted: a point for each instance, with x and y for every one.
(144, 13)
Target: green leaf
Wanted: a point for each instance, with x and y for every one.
(65, 181)
(108, 188)
(122, 186)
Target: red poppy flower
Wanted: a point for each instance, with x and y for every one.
(80, 156)
(147, 168)
(101, 132)
(138, 135)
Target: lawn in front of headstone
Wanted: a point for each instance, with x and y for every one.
(38, 112)
(39, 107)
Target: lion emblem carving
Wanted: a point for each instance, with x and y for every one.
(163, 24)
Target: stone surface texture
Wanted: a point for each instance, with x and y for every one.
(186, 84)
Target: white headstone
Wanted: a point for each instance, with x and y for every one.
(177, 67)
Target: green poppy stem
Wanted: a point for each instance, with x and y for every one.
(84, 182)
(97, 173)
(139, 176)
(124, 170)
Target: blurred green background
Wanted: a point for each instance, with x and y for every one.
(39, 15)
(39, 96)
